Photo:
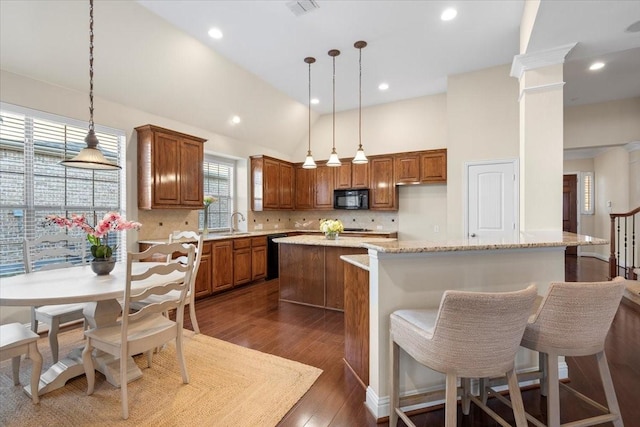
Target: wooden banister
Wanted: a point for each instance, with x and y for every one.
(614, 267)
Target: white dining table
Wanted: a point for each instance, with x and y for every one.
(79, 285)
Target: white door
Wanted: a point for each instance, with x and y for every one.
(492, 199)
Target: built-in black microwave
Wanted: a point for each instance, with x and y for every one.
(351, 199)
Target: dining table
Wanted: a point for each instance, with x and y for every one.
(80, 284)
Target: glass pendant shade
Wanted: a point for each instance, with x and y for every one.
(309, 163)
(360, 158)
(90, 157)
(333, 159)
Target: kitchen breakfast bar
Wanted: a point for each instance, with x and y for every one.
(415, 274)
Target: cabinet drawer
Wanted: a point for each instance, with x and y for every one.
(258, 241)
(241, 243)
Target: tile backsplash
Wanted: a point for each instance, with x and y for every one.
(161, 223)
(310, 220)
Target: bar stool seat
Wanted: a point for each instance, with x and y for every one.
(573, 320)
(471, 335)
(16, 340)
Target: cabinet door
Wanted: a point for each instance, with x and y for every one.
(166, 184)
(241, 266)
(305, 183)
(271, 184)
(343, 175)
(191, 177)
(359, 175)
(286, 186)
(203, 280)
(407, 168)
(222, 270)
(433, 166)
(383, 192)
(258, 262)
(324, 187)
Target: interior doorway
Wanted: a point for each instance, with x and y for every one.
(570, 208)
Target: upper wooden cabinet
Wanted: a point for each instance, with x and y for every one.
(351, 176)
(421, 167)
(272, 183)
(169, 169)
(305, 187)
(383, 193)
(325, 179)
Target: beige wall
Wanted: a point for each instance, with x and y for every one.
(634, 177)
(602, 124)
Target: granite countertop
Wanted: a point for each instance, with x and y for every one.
(360, 260)
(534, 239)
(342, 241)
(226, 235)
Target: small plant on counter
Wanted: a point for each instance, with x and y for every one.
(331, 226)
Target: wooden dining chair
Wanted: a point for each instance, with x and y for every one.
(51, 252)
(144, 330)
(16, 340)
(191, 295)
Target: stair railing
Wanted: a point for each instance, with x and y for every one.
(623, 231)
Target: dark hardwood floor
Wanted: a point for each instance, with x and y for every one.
(253, 317)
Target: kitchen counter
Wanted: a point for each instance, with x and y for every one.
(360, 261)
(341, 242)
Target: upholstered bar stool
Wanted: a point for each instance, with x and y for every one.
(471, 335)
(16, 340)
(573, 320)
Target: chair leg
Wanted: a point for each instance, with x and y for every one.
(89, 370)
(34, 321)
(192, 316)
(36, 369)
(394, 393)
(466, 391)
(15, 367)
(451, 401)
(553, 391)
(53, 339)
(609, 391)
(181, 361)
(516, 399)
(123, 382)
(482, 385)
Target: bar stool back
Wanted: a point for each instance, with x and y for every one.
(471, 335)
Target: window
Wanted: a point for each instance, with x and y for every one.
(218, 182)
(587, 193)
(33, 184)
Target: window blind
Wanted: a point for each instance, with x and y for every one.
(219, 183)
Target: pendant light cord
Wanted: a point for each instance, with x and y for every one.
(91, 125)
(360, 102)
(334, 104)
(309, 146)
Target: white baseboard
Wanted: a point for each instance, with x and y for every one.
(594, 255)
(379, 406)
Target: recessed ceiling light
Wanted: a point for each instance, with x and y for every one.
(235, 120)
(315, 101)
(449, 14)
(215, 33)
(383, 86)
(596, 66)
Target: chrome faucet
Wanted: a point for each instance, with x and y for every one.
(231, 227)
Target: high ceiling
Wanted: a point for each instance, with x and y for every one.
(409, 47)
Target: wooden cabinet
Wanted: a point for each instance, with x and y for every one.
(325, 178)
(356, 321)
(203, 285)
(421, 167)
(272, 184)
(305, 188)
(433, 166)
(334, 275)
(169, 169)
(241, 261)
(258, 258)
(352, 176)
(383, 193)
(222, 265)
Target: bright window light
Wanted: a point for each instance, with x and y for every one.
(587, 186)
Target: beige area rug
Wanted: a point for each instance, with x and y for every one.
(229, 386)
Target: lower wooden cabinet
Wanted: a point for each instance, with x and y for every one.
(258, 258)
(203, 280)
(356, 321)
(222, 265)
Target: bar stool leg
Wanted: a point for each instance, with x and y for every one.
(451, 401)
(607, 384)
(516, 399)
(553, 390)
(394, 395)
(542, 365)
(466, 392)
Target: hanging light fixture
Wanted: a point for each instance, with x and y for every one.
(333, 158)
(309, 163)
(90, 157)
(360, 158)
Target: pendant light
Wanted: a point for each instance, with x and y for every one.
(334, 161)
(309, 163)
(360, 158)
(90, 157)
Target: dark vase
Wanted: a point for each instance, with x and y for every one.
(103, 266)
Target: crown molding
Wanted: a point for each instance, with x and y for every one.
(544, 58)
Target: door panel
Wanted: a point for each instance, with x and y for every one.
(570, 208)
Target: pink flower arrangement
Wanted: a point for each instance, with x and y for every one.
(97, 235)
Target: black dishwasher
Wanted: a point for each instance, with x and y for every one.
(272, 256)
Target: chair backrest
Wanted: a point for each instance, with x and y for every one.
(478, 333)
(199, 238)
(53, 251)
(157, 280)
(574, 317)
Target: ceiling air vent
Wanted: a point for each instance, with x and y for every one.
(301, 7)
